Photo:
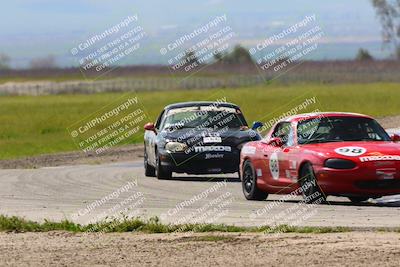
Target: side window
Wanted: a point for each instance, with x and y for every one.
(311, 129)
(370, 132)
(290, 141)
(159, 120)
(284, 131)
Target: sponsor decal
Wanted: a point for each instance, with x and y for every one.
(259, 172)
(249, 150)
(350, 151)
(380, 158)
(199, 149)
(214, 156)
(274, 165)
(212, 139)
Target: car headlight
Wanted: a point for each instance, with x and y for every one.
(340, 164)
(175, 147)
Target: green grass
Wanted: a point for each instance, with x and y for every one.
(153, 225)
(37, 125)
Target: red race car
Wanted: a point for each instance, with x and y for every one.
(321, 154)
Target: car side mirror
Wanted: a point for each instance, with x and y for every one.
(395, 137)
(150, 127)
(256, 125)
(275, 141)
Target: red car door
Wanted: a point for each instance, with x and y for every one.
(277, 157)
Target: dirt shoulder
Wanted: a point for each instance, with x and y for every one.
(205, 249)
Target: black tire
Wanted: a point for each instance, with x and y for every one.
(149, 170)
(249, 183)
(357, 200)
(313, 193)
(162, 173)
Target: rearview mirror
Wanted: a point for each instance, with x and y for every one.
(275, 141)
(150, 127)
(395, 137)
(256, 125)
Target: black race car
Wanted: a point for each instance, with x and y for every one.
(196, 138)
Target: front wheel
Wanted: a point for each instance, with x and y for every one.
(162, 173)
(249, 183)
(311, 192)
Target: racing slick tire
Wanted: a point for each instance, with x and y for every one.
(162, 173)
(357, 200)
(313, 193)
(149, 170)
(249, 183)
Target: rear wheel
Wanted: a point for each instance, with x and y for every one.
(249, 183)
(162, 173)
(149, 170)
(311, 192)
(356, 200)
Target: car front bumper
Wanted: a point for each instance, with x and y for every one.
(357, 182)
(201, 163)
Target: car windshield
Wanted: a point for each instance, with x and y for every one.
(204, 117)
(336, 129)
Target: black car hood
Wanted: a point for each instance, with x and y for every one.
(192, 136)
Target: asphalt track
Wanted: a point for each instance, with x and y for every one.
(85, 193)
